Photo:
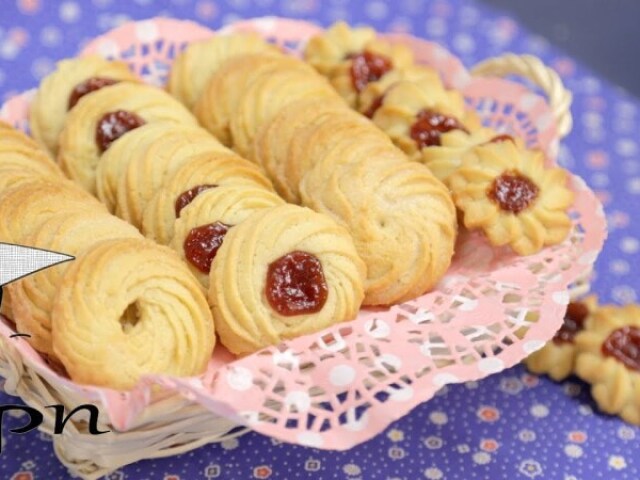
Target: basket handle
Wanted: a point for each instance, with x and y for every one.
(533, 69)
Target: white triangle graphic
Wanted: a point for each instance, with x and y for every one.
(17, 261)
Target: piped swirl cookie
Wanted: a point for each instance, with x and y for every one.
(22, 159)
(203, 224)
(37, 201)
(283, 272)
(509, 194)
(103, 117)
(301, 134)
(401, 217)
(248, 90)
(194, 177)
(138, 164)
(326, 51)
(223, 92)
(193, 67)
(71, 233)
(60, 91)
(128, 308)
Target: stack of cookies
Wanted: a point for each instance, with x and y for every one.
(601, 344)
(125, 307)
(313, 188)
(142, 154)
(278, 112)
(498, 185)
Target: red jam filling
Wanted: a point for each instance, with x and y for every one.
(296, 284)
(624, 345)
(502, 138)
(90, 85)
(577, 313)
(113, 125)
(373, 108)
(513, 192)
(430, 125)
(202, 244)
(367, 67)
(185, 198)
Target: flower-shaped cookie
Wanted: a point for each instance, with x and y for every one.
(509, 194)
(557, 358)
(609, 359)
(416, 113)
(355, 72)
(444, 159)
(325, 52)
(352, 58)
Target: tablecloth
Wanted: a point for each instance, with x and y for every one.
(510, 426)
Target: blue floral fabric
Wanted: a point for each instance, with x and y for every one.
(510, 426)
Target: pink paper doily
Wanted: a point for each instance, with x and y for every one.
(341, 387)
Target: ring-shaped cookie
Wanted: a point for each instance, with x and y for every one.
(127, 308)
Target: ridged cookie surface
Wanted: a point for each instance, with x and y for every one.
(127, 308)
(202, 224)
(283, 272)
(194, 66)
(204, 169)
(401, 217)
(80, 148)
(139, 163)
(52, 101)
(71, 234)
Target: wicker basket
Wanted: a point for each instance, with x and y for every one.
(178, 419)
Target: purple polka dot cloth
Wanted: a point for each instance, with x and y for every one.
(512, 425)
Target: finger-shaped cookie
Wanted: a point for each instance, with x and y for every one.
(200, 173)
(283, 272)
(106, 115)
(129, 308)
(203, 224)
(220, 98)
(61, 90)
(71, 234)
(194, 66)
(401, 217)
